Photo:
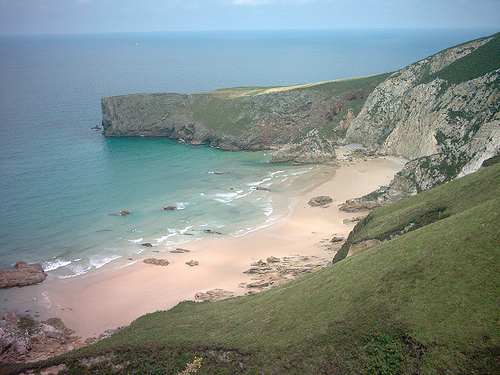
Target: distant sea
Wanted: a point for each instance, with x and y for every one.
(62, 184)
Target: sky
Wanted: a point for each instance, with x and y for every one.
(96, 16)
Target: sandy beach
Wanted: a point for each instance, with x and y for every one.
(94, 303)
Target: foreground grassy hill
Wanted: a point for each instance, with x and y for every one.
(427, 302)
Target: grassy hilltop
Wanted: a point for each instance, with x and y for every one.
(427, 302)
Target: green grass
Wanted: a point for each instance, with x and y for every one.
(476, 64)
(426, 302)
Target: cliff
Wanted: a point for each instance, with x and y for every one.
(245, 118)
(443, 113)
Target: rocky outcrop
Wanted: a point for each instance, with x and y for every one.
(442, 113)
(320, 200)
(312, 148)
(213, 295)
(26, 339)
(277, 271)
(22, 275)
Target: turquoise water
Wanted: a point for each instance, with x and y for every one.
(61, 183)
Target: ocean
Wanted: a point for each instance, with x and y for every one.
(63, 184)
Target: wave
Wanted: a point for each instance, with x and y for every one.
(55, 264)
(138, 240)
(98, 261)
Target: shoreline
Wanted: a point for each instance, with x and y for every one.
(95, 303)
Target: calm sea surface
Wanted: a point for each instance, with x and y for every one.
(61, 183)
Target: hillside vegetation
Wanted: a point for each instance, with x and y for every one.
(424, 302)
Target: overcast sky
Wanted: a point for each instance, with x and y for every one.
(83, 16)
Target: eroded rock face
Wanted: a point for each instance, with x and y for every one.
(22, 275)
(449, 126)
(276, 271)
(24, 338)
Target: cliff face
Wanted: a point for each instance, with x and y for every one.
(241, 118)
(442, 112)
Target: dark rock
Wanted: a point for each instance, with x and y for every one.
(156, 261)
(320, 200)
(262, 188)
(147, 244)
(22, 275)
(193, 263)
(209, 231)
(169, 208)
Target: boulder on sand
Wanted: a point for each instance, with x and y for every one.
(156, 261)
(320, 200)
(23, 274)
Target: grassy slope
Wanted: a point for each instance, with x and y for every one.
(426, 302)
(479, 62)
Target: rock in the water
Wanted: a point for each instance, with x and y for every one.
(262, 188)
(147, 244)
(320, 200)
(213, 295)
(124, 212)
(23, 274)
(210, 231)
(193, 263)
(169, 208)
(156, 261)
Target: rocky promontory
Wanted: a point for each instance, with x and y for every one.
(294, 121)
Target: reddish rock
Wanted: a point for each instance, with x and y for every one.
(124, 212)
(169, 208)
(23, 274)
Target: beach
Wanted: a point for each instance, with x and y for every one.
(93, 303)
